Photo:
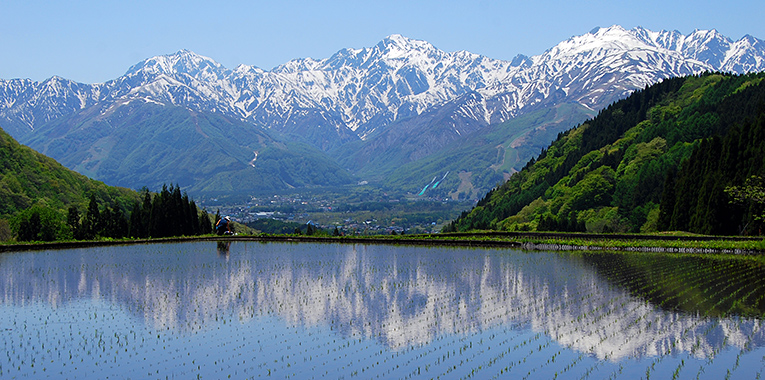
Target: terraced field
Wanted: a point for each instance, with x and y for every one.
(303, 310)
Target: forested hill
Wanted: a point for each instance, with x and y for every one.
(28, 177)
(29, 180)
(658, 160)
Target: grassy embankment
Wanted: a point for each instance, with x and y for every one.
(675, 242)
(671, 242)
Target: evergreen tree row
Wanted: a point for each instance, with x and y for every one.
(168, 213)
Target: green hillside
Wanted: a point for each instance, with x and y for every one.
(659, 160)
(143, 144)
(30, 180)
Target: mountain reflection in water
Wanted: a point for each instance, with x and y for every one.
(399, 296)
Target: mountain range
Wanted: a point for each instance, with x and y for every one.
(395, 115)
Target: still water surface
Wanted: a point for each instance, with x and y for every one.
(343, 311)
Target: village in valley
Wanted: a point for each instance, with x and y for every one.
(350, 216)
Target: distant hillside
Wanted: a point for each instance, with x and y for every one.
(657, 160)
(467, 169)
(140, 144)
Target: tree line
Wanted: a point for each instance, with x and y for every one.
(164, 214)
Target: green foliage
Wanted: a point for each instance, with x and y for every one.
(278, 227)
(275, 227)
(27, 177)
(168, 214)
(687, 283)
(5, 230)
(697, 200)
(645, 163)
(593, 191)
(205, 225)
(40, 223)
(752, 192)
(550, 222)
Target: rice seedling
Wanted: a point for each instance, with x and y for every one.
(284, 310)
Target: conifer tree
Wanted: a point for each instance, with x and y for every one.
(145, 215)
(136, 222)
(73, 221)
(90, 224)
(194, 226)
(205, 226)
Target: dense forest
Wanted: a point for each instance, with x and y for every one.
(658, 160)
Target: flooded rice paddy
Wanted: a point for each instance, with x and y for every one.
(343, 311)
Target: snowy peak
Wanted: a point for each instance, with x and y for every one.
(392, 51)
(745, 55)
(297, 65)
(666, 53)
(397, 46)
(616, 39)
(181, 62)
(707, 46)
(702, 45)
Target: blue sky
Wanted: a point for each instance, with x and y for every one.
(95, 41)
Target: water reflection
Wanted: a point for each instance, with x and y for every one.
(709, 285)
(405, 296)
(223, 249)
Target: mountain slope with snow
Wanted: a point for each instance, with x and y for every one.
(402, 98)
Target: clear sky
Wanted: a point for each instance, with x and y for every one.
(95, 41)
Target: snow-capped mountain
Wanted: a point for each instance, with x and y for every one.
(381, 92)
(363, 89)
